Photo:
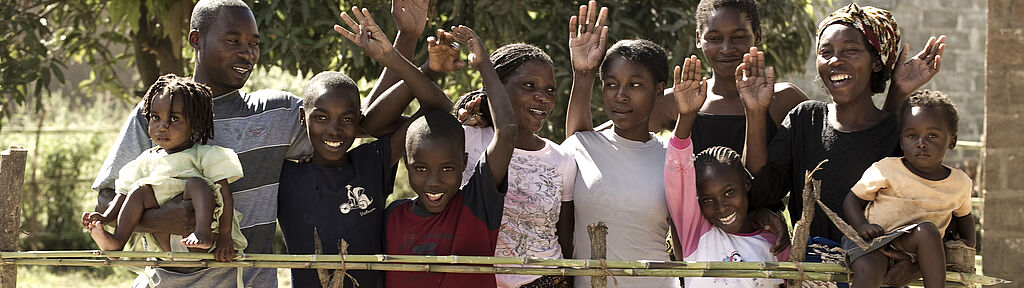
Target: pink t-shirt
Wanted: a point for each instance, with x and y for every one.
(702, 241)
(538, 182)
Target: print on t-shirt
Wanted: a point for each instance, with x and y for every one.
(357, 199)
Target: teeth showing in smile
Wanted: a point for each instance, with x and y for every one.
(537, 111)
(332, 144)
(840, 77)
(728, 219)
(240, 70)
(434, 196)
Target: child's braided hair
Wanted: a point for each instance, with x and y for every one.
(507, 59)
(720, 156)
(197, 105)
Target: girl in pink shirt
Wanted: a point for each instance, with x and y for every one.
(707, 195)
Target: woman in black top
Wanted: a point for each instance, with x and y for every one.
(856, 56)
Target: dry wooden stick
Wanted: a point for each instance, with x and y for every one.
(599, 250)
(842, 225)
(318, 248)
(802, 228)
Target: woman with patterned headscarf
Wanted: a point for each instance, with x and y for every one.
(857, 54)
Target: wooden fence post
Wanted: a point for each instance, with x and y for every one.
(598, 233)
(12, 178)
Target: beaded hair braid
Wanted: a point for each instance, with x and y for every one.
(197, 105)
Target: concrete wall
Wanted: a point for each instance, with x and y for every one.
(1004, 143)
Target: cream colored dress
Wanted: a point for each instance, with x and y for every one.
(168, 173)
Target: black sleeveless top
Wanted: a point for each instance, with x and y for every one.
(711, 130)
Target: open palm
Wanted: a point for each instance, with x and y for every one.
(410, 15)
(587, 37)
(689, 88)
(466, 36)
(443, 53)
(908, 76)
(755, 84)
(365, 33)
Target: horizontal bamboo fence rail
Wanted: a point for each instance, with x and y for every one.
(464, 264)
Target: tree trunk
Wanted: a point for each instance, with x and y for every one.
(155, 53)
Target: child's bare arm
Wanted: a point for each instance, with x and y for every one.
(853, 208)
(689, 90)
(411, 18)
(386, 111)
(756, 86)
(907, 76)
(108, 215)
(499, 152)
(587, 40)
(965, 229)
(224, 250)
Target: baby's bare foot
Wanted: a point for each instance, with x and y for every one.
(197, 240)
(104, 239)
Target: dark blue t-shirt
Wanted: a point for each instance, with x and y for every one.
(341, 203)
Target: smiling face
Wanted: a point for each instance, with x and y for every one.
(629, 93)
(435, 168)
(724, 38)
(531, 89)
(924, 138)
(228, 51)
(332, 123)
(845, 64)
(722, 195)
(168, 127)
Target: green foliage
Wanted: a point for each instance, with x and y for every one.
(298, 38)
(26, 66)
(51, 206)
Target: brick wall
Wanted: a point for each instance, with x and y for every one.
(1004, 142)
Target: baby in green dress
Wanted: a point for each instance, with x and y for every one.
(179, 113)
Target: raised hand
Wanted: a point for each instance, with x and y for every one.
(587, 37)
(365, 33)
(477, 51)
(689, 89)
(470, 114)
(755, 84)
(910, 75)
(410, 15)
(443, 53)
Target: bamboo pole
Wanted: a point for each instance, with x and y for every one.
(449, 259)
(568, 267)
(12, 178)
(952, 277)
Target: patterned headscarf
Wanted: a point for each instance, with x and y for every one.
(877, 25)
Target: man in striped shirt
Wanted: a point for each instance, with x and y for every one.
(261, 127)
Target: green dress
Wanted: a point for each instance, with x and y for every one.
(168, 173)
